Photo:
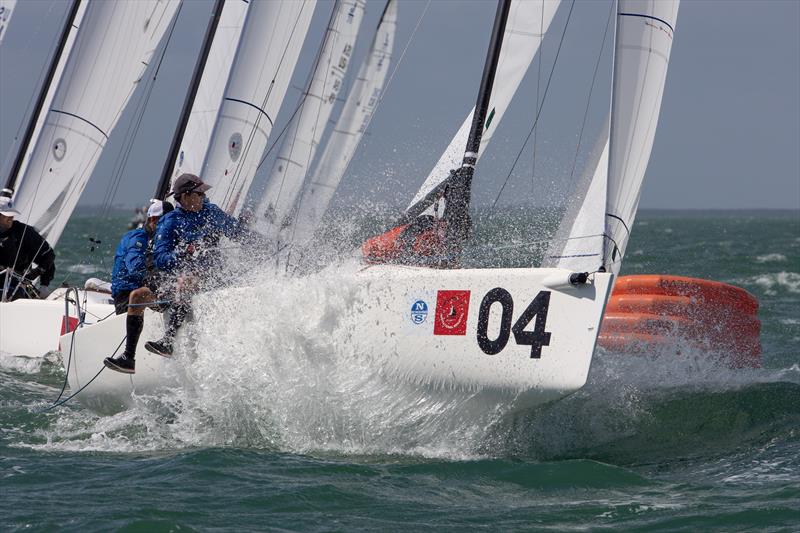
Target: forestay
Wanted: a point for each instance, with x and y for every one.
(346, 135)
(286, 178)
(527, 24)
(642, 49)
(271, 40)
(205, 108)
(111, 52)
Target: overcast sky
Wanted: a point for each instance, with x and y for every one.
(728, 137)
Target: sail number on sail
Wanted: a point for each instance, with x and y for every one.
(537, 309)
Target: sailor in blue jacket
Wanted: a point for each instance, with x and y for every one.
(132, 283)
(186, 248)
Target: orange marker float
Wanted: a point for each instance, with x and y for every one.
(653, 312)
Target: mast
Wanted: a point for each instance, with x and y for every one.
(166, 174)
(13, 177)
(457, 194)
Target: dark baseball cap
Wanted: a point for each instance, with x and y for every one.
(188, 183)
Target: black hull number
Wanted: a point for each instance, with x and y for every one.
(537, 310)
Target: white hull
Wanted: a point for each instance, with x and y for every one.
(31, 328)
(431, 328)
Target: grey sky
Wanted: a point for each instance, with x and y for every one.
(728, 137)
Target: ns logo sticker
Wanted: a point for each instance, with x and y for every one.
(419, 312)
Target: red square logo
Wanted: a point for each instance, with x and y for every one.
(452, 308)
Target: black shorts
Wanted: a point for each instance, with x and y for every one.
(121, 302)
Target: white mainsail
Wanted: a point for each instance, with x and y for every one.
(6, 10)
(644, 40)
(61, 62)
(527, 24)
(297, 151)
(270, 45)
(110, 54)
(207, 101)
(346, 135)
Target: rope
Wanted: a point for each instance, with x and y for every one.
(57, 403)
(539, 112)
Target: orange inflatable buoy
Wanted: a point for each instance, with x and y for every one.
(648, 312)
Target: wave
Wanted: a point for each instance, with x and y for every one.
(771, 258)
(774, 283)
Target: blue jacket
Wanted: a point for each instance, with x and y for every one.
(202, 229)
(130, 262)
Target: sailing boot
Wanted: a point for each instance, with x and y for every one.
(163, 346)
(126, 363)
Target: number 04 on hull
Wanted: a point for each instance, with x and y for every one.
(527, 333)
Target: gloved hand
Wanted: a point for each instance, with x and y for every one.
(44, 291)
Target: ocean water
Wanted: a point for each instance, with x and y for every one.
(282, 440)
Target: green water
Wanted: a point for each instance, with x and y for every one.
(658, 443)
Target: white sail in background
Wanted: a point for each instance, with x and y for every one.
(346, 136)
(6, 10)
(206, 105)
(297, 151)
(527, 24)
(642, 49)
(51, 89)
(111, 52)
(270, 45)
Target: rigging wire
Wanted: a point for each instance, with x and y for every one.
(133, 128)
(539, 111)
(589, 97)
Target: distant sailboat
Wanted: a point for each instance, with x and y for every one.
(276, 208)
(362, 101)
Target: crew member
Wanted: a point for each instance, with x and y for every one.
(21, 247)
(186, 248)
(132, 284)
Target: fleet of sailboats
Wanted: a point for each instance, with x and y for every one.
(527, 334)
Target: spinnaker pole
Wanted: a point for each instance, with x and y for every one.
(166, 174)
(13, 175)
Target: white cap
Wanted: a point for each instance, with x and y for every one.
(156, 209)
(7, 208)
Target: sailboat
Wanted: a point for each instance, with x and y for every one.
(525, 335)
(361, 103)
(276, 209)
(253, 94)
(102, 53)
